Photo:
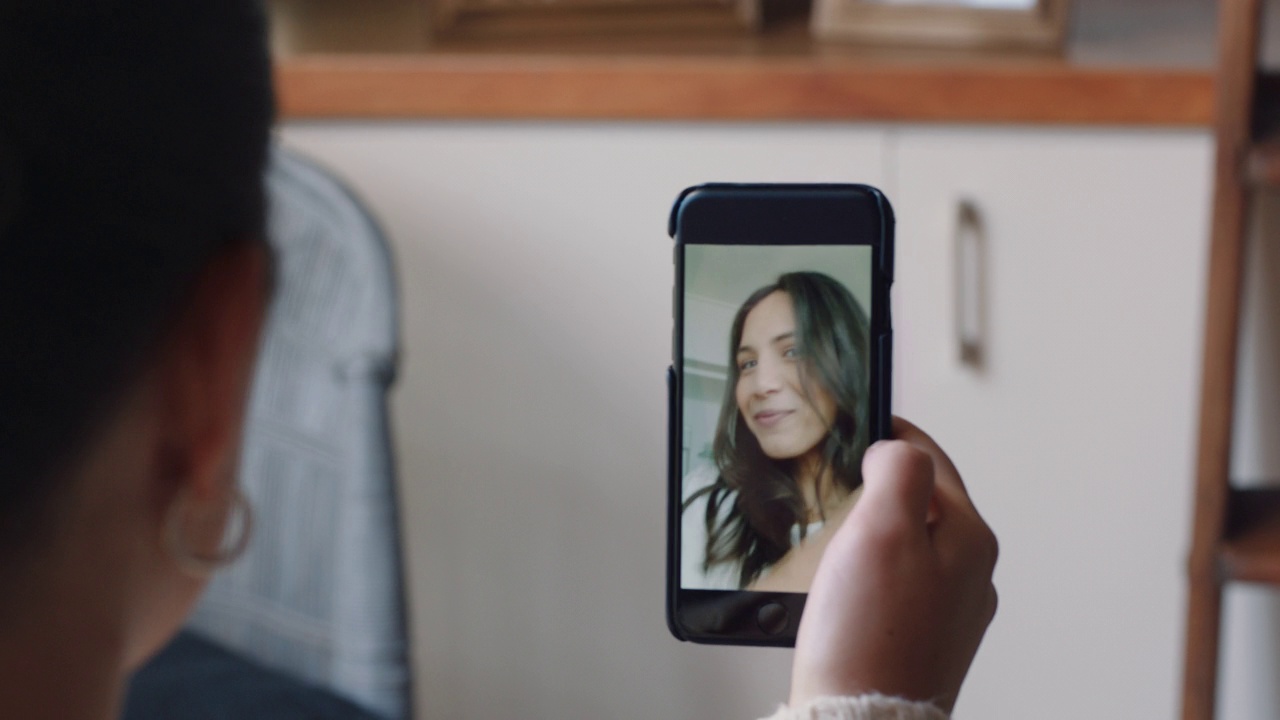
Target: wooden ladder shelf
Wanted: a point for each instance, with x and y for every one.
(1236, 533)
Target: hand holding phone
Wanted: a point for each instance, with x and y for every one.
(903, 594)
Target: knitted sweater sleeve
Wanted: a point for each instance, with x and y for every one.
(861, 707)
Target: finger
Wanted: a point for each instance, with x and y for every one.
(898, 481)
(963, 540)
(946, 474)
(962, 527)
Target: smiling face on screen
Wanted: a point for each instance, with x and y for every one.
(770, 391)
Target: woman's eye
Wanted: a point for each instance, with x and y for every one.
(790, 353)
(746, 364)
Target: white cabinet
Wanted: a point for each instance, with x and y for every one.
(1076, 438)
(530, 414)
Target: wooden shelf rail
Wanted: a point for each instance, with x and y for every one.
(735, 88)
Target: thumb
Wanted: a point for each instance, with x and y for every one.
(898, 487)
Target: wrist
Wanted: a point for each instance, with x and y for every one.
(868, 706)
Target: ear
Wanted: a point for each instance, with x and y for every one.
(206, 368)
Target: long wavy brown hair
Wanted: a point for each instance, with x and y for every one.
(756, 500)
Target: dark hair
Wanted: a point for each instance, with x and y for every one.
(133, 138)
(755, 500)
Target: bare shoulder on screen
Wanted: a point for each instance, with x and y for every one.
(795, 571)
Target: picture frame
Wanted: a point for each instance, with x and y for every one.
(461, 19)
(1025, 24)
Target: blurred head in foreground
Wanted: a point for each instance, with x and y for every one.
(133, 280)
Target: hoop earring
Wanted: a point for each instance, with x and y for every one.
(200, 565)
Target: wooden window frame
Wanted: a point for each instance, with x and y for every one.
(559, 18)
(1042, 27)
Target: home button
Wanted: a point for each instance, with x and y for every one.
(772, 618)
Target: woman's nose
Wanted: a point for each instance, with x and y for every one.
(768, 378)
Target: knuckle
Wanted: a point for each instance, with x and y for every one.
(982, 544)
(992, 547)
(907, 457)
(902, 464)
(883, 532)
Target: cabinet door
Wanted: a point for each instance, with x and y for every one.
(1075, 434)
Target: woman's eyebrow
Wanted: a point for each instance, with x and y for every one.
(777, 339)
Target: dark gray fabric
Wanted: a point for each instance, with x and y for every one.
(195, 679)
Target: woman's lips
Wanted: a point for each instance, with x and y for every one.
(770, 418)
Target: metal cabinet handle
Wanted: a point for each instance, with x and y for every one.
(970, 285)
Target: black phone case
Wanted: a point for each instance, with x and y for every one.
(762, 214)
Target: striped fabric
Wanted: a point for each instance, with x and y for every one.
(319, 592)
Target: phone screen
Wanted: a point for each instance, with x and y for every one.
(780, 381)
(775, 402)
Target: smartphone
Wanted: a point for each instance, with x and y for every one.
(780, 379)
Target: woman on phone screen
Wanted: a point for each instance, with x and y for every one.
(791, 434)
